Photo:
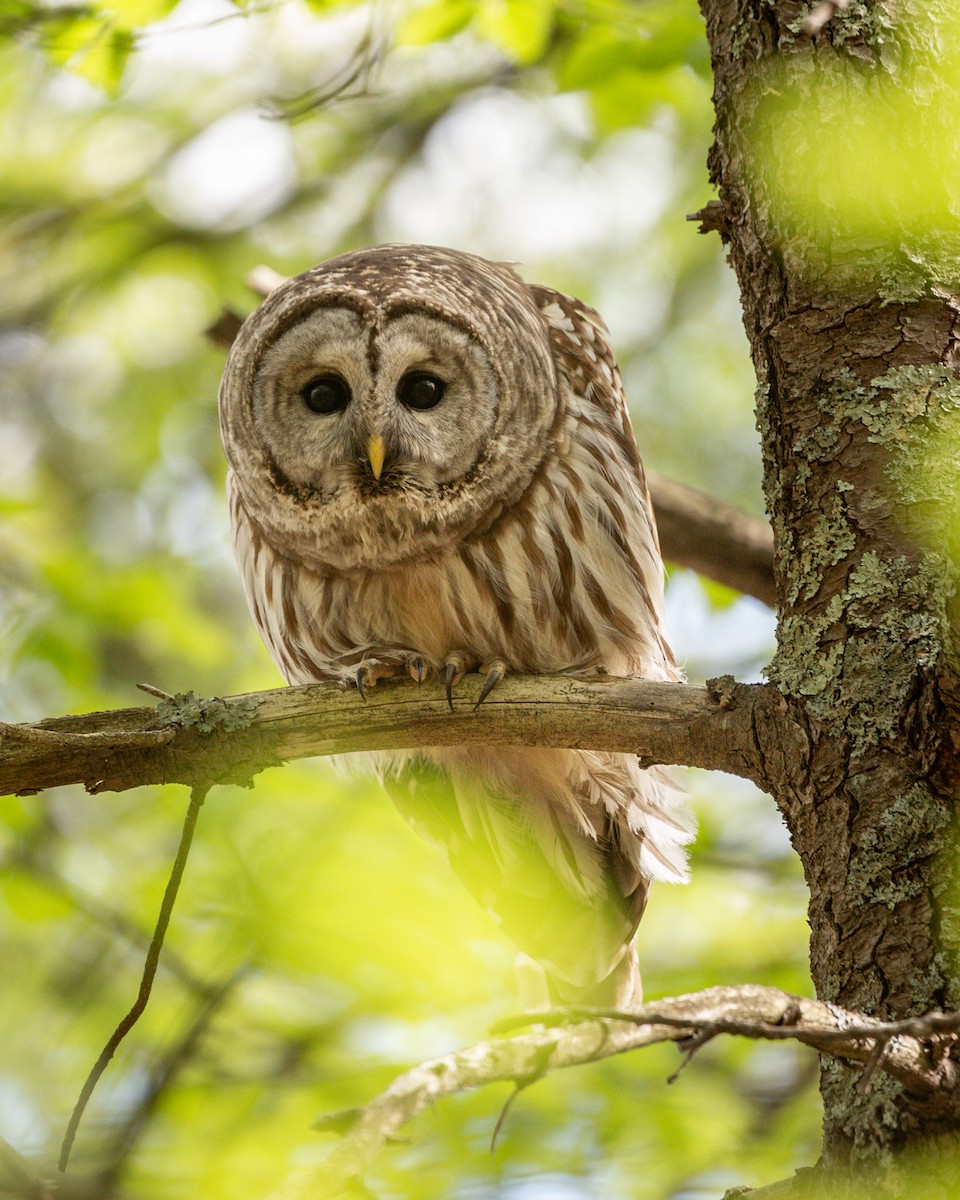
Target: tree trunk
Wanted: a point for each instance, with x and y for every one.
(853, 335)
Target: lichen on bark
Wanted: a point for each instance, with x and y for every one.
(850, 304)
(856, 658)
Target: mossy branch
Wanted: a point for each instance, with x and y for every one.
(747, 730)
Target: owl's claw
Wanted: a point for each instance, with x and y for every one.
(418, 668)
(495, 671)
(369, 672)
(456, 665)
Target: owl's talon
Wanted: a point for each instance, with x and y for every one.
(457, 664)
(450, 679)
(418, 667)
(495, 671)
(359, 677)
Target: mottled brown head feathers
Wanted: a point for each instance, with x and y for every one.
(385, 312)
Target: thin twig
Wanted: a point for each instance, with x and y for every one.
(501, 1119)
(197, 797)
(179, 1055)
(929, 1025)
(874, 1063)
(689, 1047)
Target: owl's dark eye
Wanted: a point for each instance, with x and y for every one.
(420, 390)
(326, 394)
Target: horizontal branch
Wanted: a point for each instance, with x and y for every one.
(917, 1059)
(743, 729)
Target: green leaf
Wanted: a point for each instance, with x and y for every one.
(520, 28)
(93, 47)
(131, 13)
(31, 901)
(719, 595)
(434, 22)
(631, 97)
(594, 57)
(657, 37)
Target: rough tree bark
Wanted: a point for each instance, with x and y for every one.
(854, 339)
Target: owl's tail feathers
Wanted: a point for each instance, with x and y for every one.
(540, 990)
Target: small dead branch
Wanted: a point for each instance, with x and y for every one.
(197, 797)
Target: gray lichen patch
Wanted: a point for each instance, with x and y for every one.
(844, 401)
(870, 1121)
(805, 665)
(926, 403)
(189, 711)
(892, 616)
(912, 392)
(924, 472)
(856, 660)
(885, 854)
(823, 545)
(858, 21)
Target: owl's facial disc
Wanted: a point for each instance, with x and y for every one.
(386, 404)
(354, 409)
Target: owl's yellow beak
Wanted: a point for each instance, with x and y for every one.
(376, 451)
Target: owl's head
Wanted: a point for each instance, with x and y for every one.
(387, 404)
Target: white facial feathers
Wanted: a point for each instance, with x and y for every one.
(436, 440)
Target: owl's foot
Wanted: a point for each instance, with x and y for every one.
(494, 672)
(459, 662)
(419, 667)
(367, 674)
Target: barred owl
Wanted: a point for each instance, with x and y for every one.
(432, 471)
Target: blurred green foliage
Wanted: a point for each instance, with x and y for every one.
(151, 156)
(859, 167)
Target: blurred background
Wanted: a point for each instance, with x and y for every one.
(151, 154)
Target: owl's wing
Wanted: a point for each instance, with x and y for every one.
(568, 897)
(600, 466)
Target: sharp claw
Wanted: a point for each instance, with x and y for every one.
(451, 676)
(361, 671)
(418, 669)
(494, 675)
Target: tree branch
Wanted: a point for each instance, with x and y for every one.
(714, 538)
(743, 729)
(916, 1056)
